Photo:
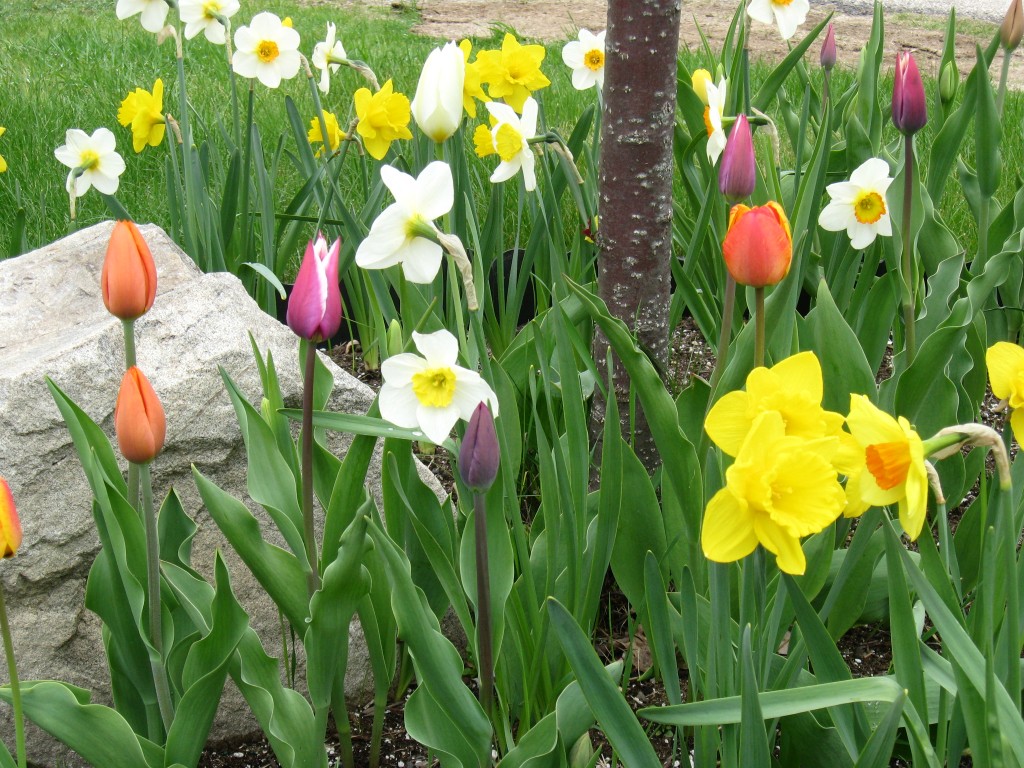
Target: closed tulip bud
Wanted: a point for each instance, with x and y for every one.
(437, 105)
(479, 456)
(139, 418)
(949, 81)
(828, 50)
(909, 113)
(395, 342)
(758, 246)
(128, 280)
(10, 525)
(314, 307)
(737, 175)
(699, 81)
(1012, 30)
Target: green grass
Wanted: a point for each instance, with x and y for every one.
(69, 63)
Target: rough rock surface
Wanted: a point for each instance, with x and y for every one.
(53, 323)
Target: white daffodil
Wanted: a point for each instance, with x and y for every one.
(431, 393)
(509, 139)
(93, 158)
(201, 16)
(437, 105)
(786, 14)
(859, 205)
(267, 50)
(400, 235)
(154, 12)
(713, 119)
(328, 56)
(585, 57)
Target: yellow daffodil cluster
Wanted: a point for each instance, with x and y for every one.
(789, 455)
(510, 74)
(383, 117)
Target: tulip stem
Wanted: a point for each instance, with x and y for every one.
(483, 605)
(129, 360)
(163, 691)
(722, 356)
(908, 274)
(19, 717)
(759, 326)
(309, 533)
(1003, 74)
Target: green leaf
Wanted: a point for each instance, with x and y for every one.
(97, 733)
(753, 738)
(278, 571)
(613, 714)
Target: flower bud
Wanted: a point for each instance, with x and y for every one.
(758, 246)
(1012, 30)
(128, 280)
(699, 81)
(437, 105)
(479, 457)
(949, 81)
(139, 419)
(314, 307)
(10, 525)
(395, 342)
(909, 113)
(828, 50)
(737, 175)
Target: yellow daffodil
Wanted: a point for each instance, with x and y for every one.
(780, 489)
(471, 86)
(699, 82)
(513, 73)
(792, 387)
(1005, 363)
(334, 133)
(3, 163)
(509, 139)
(144, 112)
(892, 469)
(383, 117)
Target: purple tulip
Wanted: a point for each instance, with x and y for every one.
(479, 456)
(828, 49)
(909, 113)
(314, 307)
(737, 174)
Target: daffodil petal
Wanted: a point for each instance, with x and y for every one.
(728, 531)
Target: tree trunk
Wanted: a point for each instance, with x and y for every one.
(635, 234)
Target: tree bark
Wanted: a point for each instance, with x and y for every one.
(636, 169)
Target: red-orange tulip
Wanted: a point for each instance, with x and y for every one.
(129, 274)
(758, 246)
(10, 525)
(139, 418)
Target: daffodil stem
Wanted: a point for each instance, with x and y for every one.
(163, 691)
(128, 327)
(483, 605)
(909, 303)
(19, 717)
(308, 531)
(759, 327)
(728, 305)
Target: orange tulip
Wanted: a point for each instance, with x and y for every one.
(129, 274)
(758, 246)
(10, 525)
(139, 418)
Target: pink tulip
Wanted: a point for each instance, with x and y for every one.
(909, 113)
(314, 307)
(737, 174)
(479, 455)
(828, 49)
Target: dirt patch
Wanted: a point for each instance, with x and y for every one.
(551, 20)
